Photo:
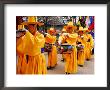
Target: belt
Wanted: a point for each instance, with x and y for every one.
(50, 43)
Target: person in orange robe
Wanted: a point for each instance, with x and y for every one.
(89, 44)
(81, 41)
(43, 58)
(71, 65)
(61, 39)
(21, 57)
(30, 46)
(52, 55)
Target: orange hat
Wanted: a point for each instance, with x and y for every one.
(32, 20)
(63, 30)
(70, 27)
(81, 29)
(86, 30)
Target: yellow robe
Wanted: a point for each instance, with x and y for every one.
(71, 65)
(89, 46)
(21, 65)
(31, 45)
(62, 39)
(21, 57)
(52, 56)
(81, 54)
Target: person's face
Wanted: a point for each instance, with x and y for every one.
(52, 33)
(69, 29)
(80, 33)
(32, 28)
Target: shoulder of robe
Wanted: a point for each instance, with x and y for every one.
(48, 35)
(28, 33)
(75, 35)
(89, 35)
(40, 35)
(55, 36)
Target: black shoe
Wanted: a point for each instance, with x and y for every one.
(87, 59)
(66, 73)
(48, 68)
(80, 65)
(52, 67)
(62, 60)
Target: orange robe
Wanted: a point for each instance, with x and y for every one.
(89, 46)
(62, 40)
(71, 65)
(81, 54)
(31, 45)
(52, 56)
(21, 57)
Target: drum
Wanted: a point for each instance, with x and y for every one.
(65, 48)
(47, 47)
(80, 47)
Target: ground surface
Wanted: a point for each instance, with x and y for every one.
(88, 67)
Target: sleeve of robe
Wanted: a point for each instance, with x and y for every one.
(23, 43)
(50, 39)
(30, 44)
(40, 40)
(61, 39)
(91, 41)
(81, 40)
(72, 38)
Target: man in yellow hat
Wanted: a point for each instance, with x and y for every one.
(81, 47)
(71, 65)
(52, 54)
(29, 48)
(61, 38)
(89, 44)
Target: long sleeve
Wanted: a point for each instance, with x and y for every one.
(30, 44)
(61, 39)
(20, 45)
(40, 40)
(72, 38)
(50, 39)
(91, 41)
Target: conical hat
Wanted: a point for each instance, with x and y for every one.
(63, 30)
(81, 29)
(86, 29)
(32, 20)
(70, 23)
(70, 26)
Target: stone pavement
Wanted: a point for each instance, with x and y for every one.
(88, 67)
